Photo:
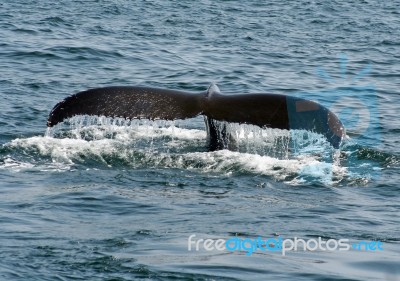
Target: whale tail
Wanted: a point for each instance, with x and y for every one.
(264, 110)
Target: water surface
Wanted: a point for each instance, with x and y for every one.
(118, 201)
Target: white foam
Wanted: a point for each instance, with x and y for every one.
(141, 144)
(280, 169)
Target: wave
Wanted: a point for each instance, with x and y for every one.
(104, 143)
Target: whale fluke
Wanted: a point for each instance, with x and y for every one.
(264, 110)
(128, 102)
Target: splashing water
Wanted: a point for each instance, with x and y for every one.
(102, 143)
(159, 134)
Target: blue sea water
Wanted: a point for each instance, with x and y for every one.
(117, 200)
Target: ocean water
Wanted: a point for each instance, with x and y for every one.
(104, 199)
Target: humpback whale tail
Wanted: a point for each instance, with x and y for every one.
(264, 110)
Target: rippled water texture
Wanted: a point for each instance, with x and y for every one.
(104, 199)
